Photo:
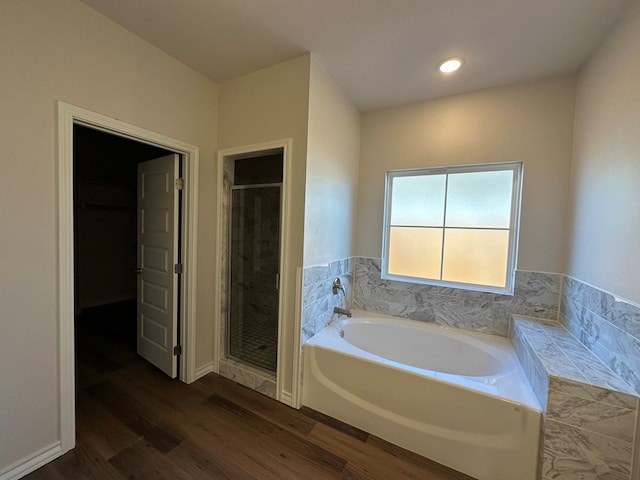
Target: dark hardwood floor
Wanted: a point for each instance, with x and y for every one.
(135, 423)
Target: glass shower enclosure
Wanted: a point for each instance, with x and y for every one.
(254, 267)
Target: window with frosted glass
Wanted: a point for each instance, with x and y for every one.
(454, 226)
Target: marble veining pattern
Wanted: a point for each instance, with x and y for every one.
(318, 299)
(571, 452)
(533, 367)
(249, 377)
(607, 325)
(563, 356)
(591, 392)
(591, 413)
(227, 182)
(536, 294)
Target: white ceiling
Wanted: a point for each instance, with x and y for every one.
(382, 52)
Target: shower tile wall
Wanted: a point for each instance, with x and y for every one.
(318, 299)
(607, 325)
(536, 294)
(253, 330)
(239, 372)
(227, 183)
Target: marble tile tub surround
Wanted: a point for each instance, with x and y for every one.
(536, 294)
(607, 325)
(318, 299)
(591, 413)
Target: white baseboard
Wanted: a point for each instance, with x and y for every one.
(201, 372)
(27, 465)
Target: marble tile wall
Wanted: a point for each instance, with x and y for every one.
(587, 438)
(536, 294)
(607, 325)
(531, 363)
(255, 254)
(318, 299)
(253, 378)
(591, 413)
(227, 183)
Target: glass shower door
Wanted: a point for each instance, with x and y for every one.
(254, 271)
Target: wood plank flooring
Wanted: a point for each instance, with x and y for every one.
(135, 423)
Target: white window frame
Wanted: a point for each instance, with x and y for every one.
(516, 195)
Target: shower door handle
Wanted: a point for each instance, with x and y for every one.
(277, 281)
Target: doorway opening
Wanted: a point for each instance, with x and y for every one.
(69, 117)
(107, 256)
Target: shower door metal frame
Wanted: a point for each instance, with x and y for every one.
(227, 340)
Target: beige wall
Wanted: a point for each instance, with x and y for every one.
(530, 122)
(63, 50)
(273, 104)
(606, 166)
(332, 171)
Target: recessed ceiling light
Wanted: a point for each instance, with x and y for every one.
(450, 65)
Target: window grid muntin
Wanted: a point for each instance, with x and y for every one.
(444, 225)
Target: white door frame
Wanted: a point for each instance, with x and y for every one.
(68, 115)
(285, 351)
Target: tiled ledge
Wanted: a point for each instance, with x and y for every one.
(549, 349)
(590, 423)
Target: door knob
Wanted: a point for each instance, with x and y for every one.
(138, 270)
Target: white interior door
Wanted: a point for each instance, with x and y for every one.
(157, 315)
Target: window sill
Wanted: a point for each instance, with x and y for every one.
(508, 290)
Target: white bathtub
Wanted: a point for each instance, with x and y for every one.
(459, 398)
